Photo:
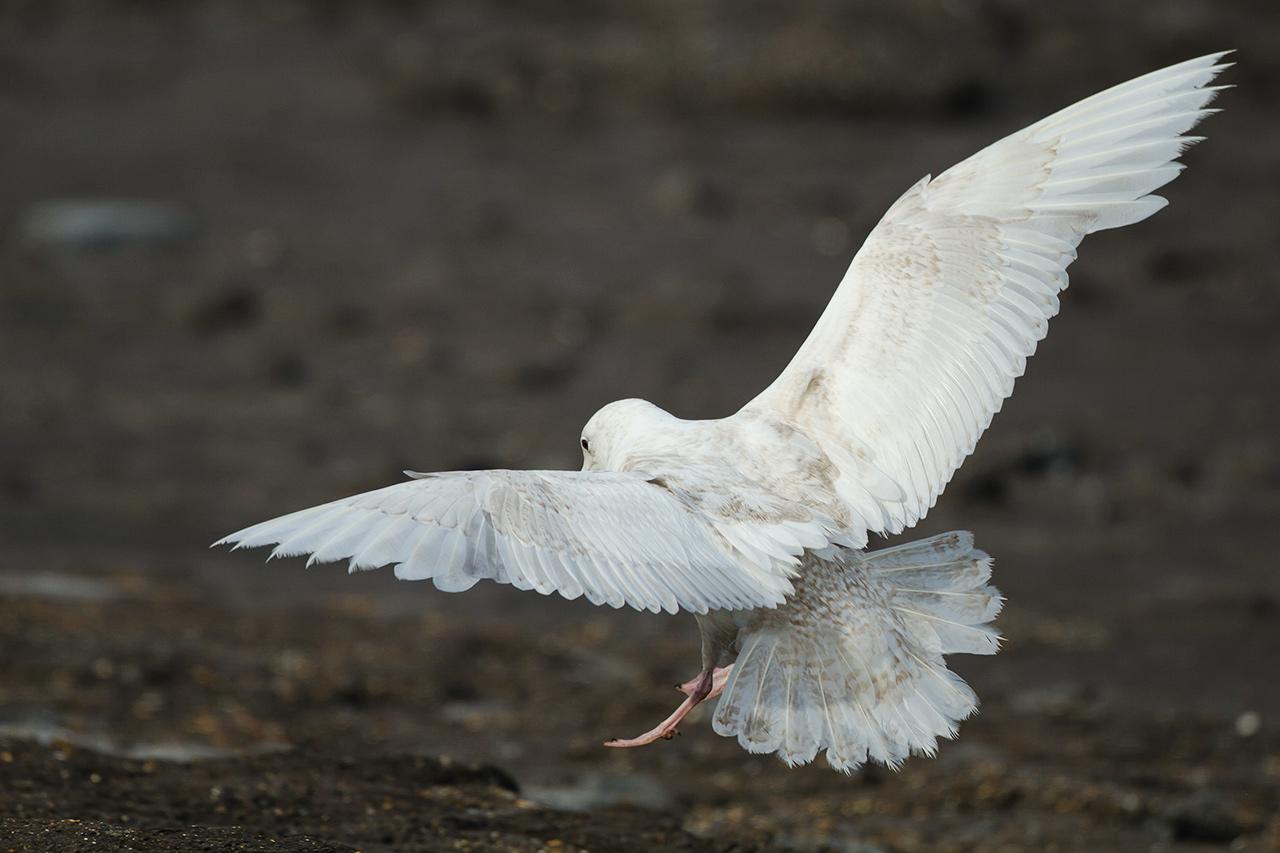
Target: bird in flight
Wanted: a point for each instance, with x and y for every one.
(757, 523)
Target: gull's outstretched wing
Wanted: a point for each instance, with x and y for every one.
(612, 537)
(952, 290)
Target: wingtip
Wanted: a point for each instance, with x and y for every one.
(1214, 58)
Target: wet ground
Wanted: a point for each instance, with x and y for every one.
(254, 258)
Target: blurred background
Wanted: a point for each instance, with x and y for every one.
(256, 256)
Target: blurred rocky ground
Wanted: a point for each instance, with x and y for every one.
(256, 256)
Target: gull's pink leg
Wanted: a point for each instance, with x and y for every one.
(719, 677)
(667, 728)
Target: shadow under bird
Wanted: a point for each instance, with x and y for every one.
(757, 523)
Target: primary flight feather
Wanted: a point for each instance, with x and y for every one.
(756, 522)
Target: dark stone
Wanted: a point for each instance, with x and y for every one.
(967, 99)
(1048, 454)
(288, 369)
(236, 307)
(1205, 816)
(989, 489)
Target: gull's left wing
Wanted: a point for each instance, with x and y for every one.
(955, 286)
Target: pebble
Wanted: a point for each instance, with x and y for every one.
(1248, 724)
(57, 586)
(593, 791)
(105, 223)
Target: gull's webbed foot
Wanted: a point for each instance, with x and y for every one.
(702, 687)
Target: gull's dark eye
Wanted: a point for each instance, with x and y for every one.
(585, 445)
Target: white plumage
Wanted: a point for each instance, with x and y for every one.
(854, 663)
(613, 537)
(754, 522)
(955, 286)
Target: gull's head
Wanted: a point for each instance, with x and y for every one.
(618, 432)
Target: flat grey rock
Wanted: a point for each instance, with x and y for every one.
(106, 223)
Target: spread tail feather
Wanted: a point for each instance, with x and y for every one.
(853, 662)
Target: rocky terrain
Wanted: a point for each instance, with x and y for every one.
(256, 256)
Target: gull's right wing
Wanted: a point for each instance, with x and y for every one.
(615, 538)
